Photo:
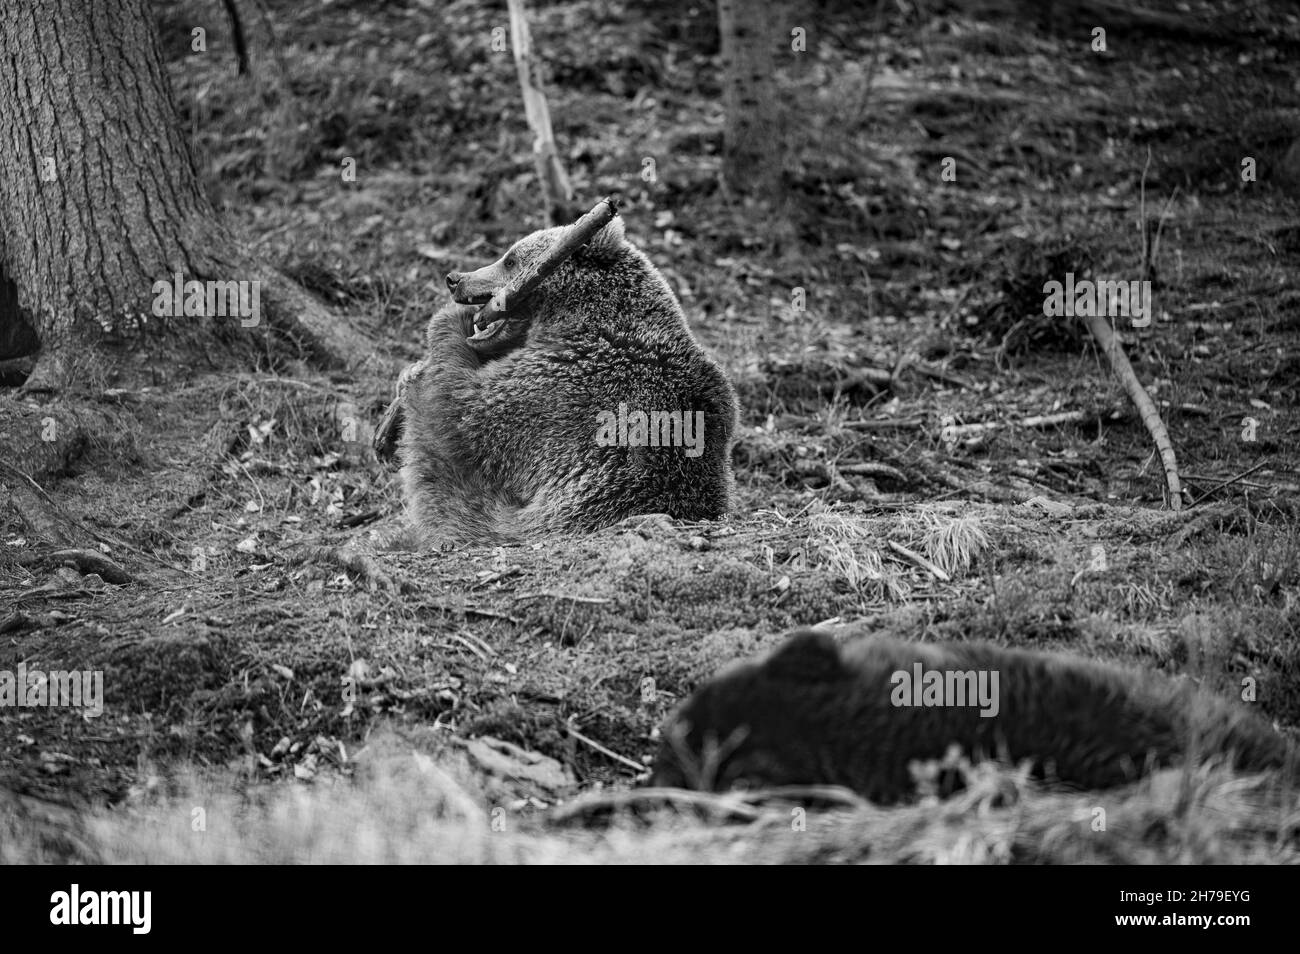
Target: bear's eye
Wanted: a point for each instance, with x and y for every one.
(511, 261)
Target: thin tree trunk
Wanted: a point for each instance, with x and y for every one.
(556, 189)
(751, 33)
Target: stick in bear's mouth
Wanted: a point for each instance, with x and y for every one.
(483, 334)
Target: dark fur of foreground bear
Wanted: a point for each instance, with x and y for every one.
(501, 423)
(815, 714)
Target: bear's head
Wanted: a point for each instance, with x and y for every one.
(606, 270)
(756, 721)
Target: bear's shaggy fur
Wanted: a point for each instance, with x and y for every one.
(501, 424)
(813, 714)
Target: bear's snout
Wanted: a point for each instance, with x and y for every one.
(453, 279)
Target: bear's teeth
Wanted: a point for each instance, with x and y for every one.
(481, 334)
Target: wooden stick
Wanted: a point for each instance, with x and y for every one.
(384, 440)
(1230, 481)
(636, 766)
(1147, 411)
(518, 289)
(956, 431)
(920, 561)
(562, 596)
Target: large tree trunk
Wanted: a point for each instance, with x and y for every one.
(752, 32)
(100, 199)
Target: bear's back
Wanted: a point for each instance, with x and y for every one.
(563, 427)
(811, 714)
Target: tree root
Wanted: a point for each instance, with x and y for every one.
(85, 561)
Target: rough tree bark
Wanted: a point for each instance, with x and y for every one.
(100, 199)
(751, 33)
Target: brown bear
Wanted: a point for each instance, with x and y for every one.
(590, 402)
(813, 714)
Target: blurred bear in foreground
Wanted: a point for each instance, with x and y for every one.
(813, 714)
(590, 402)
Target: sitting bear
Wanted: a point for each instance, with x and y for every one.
(811, 714)
(589, 402)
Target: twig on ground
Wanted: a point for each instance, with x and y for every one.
(919, 560)
(884, 425)
(471, 611)
(959, 431)
(873, 469)
(1110, 346)
(636, 766)
(476, 646)
(1229, 482)
(561, 596)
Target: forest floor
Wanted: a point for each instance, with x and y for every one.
(263, 702)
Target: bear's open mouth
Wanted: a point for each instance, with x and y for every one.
(483, 334)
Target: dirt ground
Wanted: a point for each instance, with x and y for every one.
(276, 688)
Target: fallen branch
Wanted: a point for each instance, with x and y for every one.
(827, 472)
(920, 561)
(1229, 482)
(444, 607)
(561, 596)
(476, 646)
(1147, 410)
(959, 431)
(637, 766)
(873, 469)
(884, 425)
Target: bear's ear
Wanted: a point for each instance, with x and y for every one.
(807, 656)
(606, 244)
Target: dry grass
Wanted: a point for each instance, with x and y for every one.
(405, 806)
